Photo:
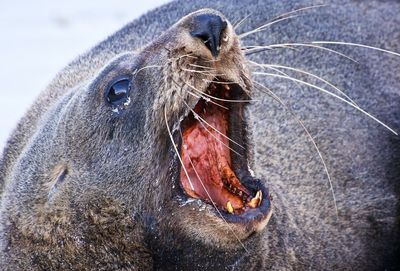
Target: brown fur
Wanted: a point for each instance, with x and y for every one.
(84, 187)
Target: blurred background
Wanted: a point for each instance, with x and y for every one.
(38, 38)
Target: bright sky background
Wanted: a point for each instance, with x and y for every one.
(38, 38)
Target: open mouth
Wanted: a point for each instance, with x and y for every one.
(213, 151)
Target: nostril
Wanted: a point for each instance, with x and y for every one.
(208, 28)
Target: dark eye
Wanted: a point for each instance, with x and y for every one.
(118, 92)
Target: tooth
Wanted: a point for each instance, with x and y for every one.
(229, 207)
(259, 196)
(256, 201)
(227, 87)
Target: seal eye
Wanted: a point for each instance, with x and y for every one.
(118, 91)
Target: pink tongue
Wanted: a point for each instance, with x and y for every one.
(207, 160)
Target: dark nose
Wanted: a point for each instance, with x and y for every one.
(208, 28)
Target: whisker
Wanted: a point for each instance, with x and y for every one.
(228, 100)
(191, 55)
(357, 45)
(258, 49)
(309, 74)
(197, 71)
(219, 99)
(277, 98)
(200, 66)
(200, 95)
(195, 95)
(146, 67)
(220, 82)
(274, 69)
(331, 94)
(291, 48)
(265, 26)
(249, 49)
(212, 201)
(211, 60)
(279, 18)
(176, 149)
(302, 9)
(237, 25)
(201, 120)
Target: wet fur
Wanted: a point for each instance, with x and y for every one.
(304, 232)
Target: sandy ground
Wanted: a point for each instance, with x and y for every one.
(40, 37)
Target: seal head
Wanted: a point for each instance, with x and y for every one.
(151, 151)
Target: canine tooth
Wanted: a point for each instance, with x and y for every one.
(256, 201)
(253, 203)
(259, 196)
(229, 207)
(227, 87)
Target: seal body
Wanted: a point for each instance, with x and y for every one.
(88, 184)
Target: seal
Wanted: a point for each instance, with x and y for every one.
(140, 158)
(104, 135)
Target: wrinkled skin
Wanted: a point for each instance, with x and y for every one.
(85, 188)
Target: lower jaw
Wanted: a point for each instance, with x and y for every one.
(251, 219)
(201, 222)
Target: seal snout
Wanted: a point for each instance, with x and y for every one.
(209, 28)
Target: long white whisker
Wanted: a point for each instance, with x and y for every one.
(312, 75)
(265, 26)
(182, 56)
(195, 95)
(357, 45)
(201, 72)
(236, 26)
(205, 98)
(302, 9)
(263, 66)
(331, 94)
(253, 49)
(200, 95)
(276, 97)
(200, 66)
(146, 67)
(219, 99)
(279, 18)
(176, 149)
(219, 82)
